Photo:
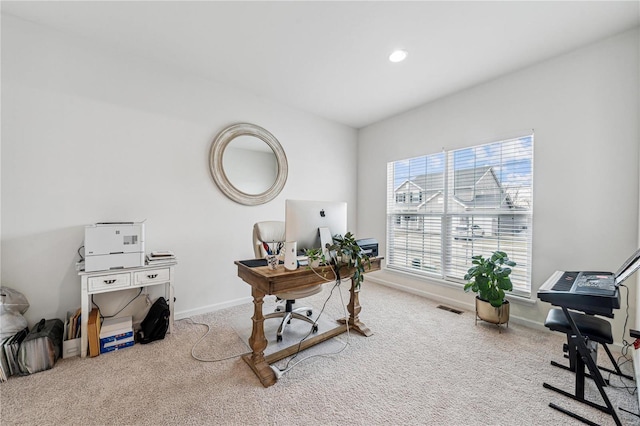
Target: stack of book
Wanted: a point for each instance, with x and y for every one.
(72, 325)
(160, 257)
(115, 334)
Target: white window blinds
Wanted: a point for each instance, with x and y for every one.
(444, 208)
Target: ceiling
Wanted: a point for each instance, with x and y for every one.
(330, 57)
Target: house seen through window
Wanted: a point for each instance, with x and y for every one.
(444, 208)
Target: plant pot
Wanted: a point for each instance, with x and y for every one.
(491, 314)
(314, 263)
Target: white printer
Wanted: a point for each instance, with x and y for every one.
(113, 245)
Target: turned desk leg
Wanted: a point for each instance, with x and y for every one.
(258, 343)
(354, 309)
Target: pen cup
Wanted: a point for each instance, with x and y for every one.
(272, 261)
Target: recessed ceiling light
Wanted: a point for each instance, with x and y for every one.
(398, 56)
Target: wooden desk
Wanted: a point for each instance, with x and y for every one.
(265, 281)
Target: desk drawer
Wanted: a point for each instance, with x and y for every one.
(106, 282)
(152, 276)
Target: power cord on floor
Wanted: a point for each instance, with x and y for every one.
(279, 372)
(624, 353)
(193, 348)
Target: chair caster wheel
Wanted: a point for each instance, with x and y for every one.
(315, 328)
(309, 312)
(279, 338)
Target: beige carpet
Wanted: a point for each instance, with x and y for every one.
(423, 365)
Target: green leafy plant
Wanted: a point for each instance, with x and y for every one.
(489, 277)
(346, 251)
(315, 254)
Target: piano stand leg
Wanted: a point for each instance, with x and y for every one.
(584, 357)
(574, 415)
(587, 375)
(615, 366)
(576, 398)
(572, 353)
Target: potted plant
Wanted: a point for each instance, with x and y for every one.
(345, 251)
(315, 257)
(489, 278)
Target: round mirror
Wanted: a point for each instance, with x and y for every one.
(248, 164)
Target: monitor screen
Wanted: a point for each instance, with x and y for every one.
(303, 218)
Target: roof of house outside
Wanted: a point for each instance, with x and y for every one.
(477, 187)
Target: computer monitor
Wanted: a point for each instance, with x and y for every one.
(303, 218)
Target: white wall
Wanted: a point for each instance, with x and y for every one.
(91, 135)
(583, 107)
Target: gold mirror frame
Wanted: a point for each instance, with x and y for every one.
(216, 167)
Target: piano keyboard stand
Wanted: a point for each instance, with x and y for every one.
(584, 357)
(596, 330)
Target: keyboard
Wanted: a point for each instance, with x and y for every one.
(591, 292)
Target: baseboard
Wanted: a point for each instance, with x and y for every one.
(418, 292)
(455, 303)
(212, 308)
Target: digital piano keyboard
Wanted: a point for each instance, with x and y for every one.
(591, 292)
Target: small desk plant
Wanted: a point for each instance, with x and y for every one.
(315, 257)
(345, 251)
(489, 278)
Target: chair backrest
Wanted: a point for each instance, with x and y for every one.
(270, 233)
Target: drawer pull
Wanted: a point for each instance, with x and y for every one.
(152, 276)
(109, 281)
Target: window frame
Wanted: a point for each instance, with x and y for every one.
(496, 207)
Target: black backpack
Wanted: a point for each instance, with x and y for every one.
(155, 324)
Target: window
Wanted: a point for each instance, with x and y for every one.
(463, 203)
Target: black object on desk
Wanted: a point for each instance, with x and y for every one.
(254, 263)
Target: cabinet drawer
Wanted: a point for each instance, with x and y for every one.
(106, 282)
(152, 276)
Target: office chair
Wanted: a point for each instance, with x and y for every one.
(271, 235)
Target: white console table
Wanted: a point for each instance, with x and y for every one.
(122, 279)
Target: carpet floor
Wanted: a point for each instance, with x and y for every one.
(422, 366)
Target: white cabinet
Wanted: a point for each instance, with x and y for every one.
(122, 279)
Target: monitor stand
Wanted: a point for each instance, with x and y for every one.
(325, 238)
